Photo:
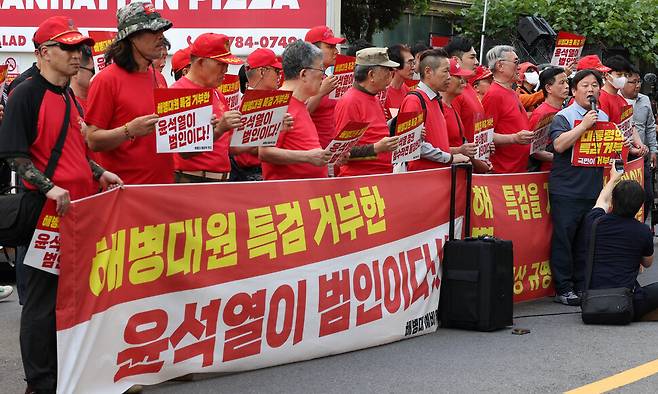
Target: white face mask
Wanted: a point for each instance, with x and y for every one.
(532, 78)
(618, 83)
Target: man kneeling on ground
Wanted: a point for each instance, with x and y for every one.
(622, 243)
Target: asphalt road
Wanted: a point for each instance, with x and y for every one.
(559, 354)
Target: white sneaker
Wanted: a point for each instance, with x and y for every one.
(5, 291)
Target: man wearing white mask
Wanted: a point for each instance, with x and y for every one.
(528, 82)
(612, 103)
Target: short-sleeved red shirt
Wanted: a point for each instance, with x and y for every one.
(454, 124)
(324, 120)
(468, 107)
(395, 96)
(358, 106)
(302, 136)
(509, 117)
(217, 159)
(115, 98)
(544, 109)
(612, 104)
(436, 129)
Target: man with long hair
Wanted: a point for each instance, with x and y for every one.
(120, 117)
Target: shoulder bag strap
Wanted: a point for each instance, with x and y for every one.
(422, 101)
(59, 145)
(590, 256)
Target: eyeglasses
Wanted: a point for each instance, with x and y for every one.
(276, 70)
(316, 69)
(411, 62)
(66, 47)
(90, 69)
(637, 82)
(516, 62)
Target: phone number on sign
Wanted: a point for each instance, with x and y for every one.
(262, 41)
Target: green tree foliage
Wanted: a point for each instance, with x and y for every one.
(362, 18)
(631, 24)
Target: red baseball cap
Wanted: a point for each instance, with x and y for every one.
(180, 60)
(591, 62)
(480, 73)
(60, 29)
(456, 69)
(322, 34)
(214, 46)
(263, 57)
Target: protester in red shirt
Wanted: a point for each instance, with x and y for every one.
(262, 71)
(612, 103)
(467, 104)
(372, 154)
(434, 78)
(501, 102)
(298, 153)
(398, 88)
(457, 140)
(554, 85)
(209, 62)
(481, 81)
(120, 118)
(180, 63)
(80, 81)
(320, 105)
(35, 116)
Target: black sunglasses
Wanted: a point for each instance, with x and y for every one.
(66, 47)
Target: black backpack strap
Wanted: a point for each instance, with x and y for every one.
(590, 255)
(422, 101)
(77, 104)
(59, 145)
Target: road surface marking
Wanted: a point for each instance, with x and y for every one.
(621, 379)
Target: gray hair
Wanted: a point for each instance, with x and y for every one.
(298, 56)
(497, 54)
(361, 72)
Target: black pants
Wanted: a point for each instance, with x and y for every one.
(567, 214)
(38, 336)
(647, 301)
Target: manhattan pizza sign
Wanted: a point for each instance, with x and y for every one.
(251, 24)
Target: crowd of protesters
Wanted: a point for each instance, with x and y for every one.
(110, 138)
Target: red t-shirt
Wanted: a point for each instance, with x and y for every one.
(612, 104)
(302, 136)
(436, 129)
(359, 106)
(115, 98)
(468, 107)
(544, 109)
(324, 120)
(247, 160)
(395, 96)
(217, 159)
(509, 117)
(454, 124)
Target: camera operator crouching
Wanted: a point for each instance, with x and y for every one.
(622, 244)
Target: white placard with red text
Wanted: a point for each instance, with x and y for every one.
(103, 40)
(568, 47)
(542, 134)
(230, 89)
(409, 128)
(346, 139)
(626, 124)
(43, 251)
(184, 123)
(483, 138)
(262, 117)
(344, 71)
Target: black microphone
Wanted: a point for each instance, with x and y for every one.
(592, 102)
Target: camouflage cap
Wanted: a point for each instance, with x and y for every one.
(139, 16)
